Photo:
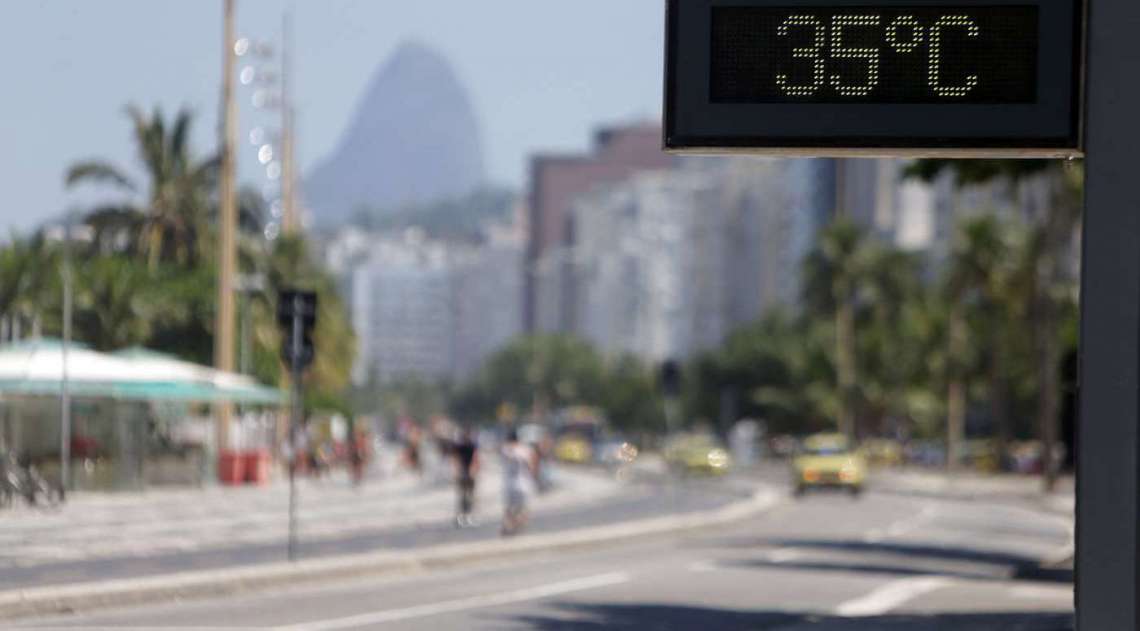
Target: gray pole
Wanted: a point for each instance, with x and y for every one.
(294, 421)
(65, 383)
(1108, 446)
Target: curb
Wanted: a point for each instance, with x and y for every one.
(65, 599)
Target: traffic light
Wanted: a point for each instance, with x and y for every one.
(297, 317)
(671, 378)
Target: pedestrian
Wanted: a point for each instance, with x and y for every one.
(466, 454)
(412, 450)
(518, 478)
(358, 455)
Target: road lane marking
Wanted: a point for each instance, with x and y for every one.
(704, 566)
(783, 555)
(463, 604)
(887, 597)
(1041, 592)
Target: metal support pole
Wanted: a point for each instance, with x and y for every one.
(227, 220)
(294, 422)
(1108, 444)
(65, 383)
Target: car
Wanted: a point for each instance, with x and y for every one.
(882, 452)
(574, 449)
(697, 453)
(828, 461)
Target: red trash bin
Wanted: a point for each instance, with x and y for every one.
(257, 466)
(231, 467)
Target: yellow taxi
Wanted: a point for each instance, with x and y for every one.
(828, 461)
(574, 449)
(882, 452)
(697, 453)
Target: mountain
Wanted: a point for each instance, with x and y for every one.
(413, 139)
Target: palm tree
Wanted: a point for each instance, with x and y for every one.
(1043, 270)
(114, 305)
(28, 281)
(170, 221)
(972, 283)
(833, 274)
(893, 340)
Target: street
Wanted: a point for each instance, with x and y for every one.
(885, 561)
(200, 529)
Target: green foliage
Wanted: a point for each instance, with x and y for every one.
(149, 278)
(548, 372)
(170, 223)
(967, 172)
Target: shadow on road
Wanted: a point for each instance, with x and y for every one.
(586, 617)
(910, 559)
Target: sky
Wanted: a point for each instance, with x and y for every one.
(541, 74)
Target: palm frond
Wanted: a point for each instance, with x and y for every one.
(98, 171)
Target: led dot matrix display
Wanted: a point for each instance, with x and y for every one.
(874, 55)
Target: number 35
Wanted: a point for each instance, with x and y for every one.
(814, 52)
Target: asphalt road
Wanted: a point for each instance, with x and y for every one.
(648, 496)
(882, 562)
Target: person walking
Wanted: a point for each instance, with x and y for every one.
(466, 454)
(518, 478)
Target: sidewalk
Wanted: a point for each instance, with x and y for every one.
(97, 526)
(975, 486)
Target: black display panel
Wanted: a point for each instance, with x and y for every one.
(885, 55)
(981, 78)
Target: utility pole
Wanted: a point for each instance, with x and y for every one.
(227, 220)
(290, 224)
(65, 383)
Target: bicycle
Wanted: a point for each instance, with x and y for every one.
(26, 482)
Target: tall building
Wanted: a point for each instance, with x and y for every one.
(403, 311)
(556, 181)
(433, 310)
(488, 290)
(667, 263)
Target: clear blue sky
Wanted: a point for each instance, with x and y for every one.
(541, 73)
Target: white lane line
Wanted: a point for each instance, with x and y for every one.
(890, 596)
(1041, 592)
(783, 555)
(463, 604)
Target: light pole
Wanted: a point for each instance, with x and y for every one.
(66, 236)
(64, 382)
(224, 323)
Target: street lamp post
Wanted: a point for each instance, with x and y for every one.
(65, 383)
(224, 325)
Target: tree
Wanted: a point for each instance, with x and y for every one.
(538, 373)
(973, 283)
(115, 303)
(894, 340)
(29, 281)
(833, 272)
(170, 222)
(1043, 271)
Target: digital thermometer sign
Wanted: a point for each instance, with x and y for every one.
(890, 78)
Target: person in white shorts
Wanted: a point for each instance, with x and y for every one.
(518, 478)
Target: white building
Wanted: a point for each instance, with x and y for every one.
(667, 263)
(403, 310)
(435, 310)
(488, 295)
